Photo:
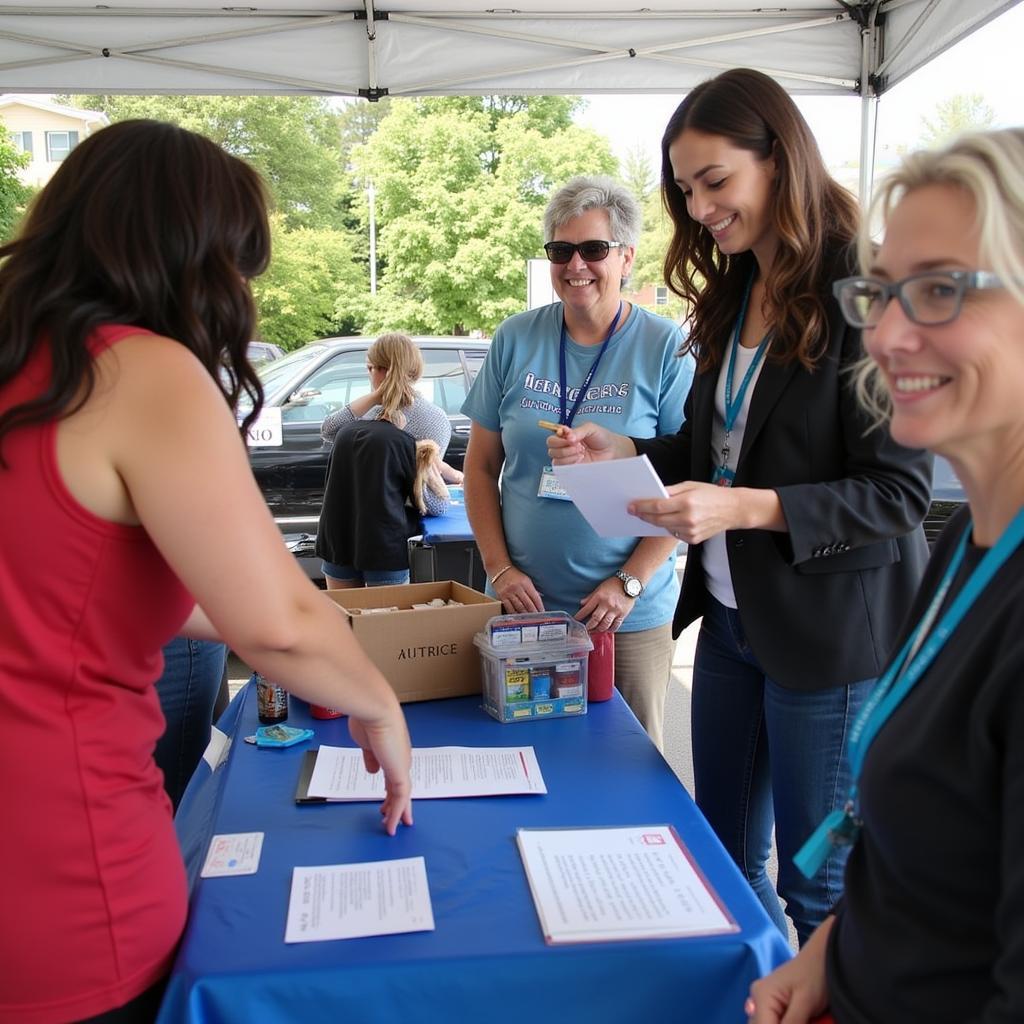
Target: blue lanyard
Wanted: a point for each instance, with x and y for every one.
(563, 373)
(732, 408)
(913, 660)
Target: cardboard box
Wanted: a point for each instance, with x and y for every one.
(425, 653)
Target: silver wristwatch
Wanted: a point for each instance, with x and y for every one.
(631, 586)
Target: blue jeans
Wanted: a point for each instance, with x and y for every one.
(764, 754)
(365, 577)
(188, 690)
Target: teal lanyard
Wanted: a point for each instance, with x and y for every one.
(732, 407)
(913, 660)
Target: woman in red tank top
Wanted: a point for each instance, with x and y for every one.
(129, 515)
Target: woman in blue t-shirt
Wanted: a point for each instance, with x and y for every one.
(596, 357)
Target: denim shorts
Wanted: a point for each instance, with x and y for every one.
(365, 577)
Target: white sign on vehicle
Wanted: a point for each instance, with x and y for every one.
(265, 431)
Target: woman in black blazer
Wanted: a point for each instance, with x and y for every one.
(804, 526)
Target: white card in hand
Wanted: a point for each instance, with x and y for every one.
(602, 490)
(237, 853)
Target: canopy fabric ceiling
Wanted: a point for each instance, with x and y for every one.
(410, 48)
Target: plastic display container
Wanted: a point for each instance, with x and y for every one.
(534, 666)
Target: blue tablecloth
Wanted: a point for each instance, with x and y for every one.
(453, 526)
(486, 961)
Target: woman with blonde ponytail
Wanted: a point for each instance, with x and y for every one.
(395, 364)
(388, 447)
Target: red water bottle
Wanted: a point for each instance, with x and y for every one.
(319, 711)
(601, 667)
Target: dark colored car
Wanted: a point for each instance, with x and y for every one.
(317, 379)
(947, 496)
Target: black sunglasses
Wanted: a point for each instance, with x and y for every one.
(593, 251)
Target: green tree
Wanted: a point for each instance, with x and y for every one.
(293, 141)
(298, 296)
(461, 185)
(960, 113)
(648, 268)
(637, 173)
(357, 121)
(13, 194)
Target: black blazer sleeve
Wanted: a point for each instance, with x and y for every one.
(882, 491)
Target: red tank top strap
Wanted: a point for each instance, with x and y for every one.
(110, 334)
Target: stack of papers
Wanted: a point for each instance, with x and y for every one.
(610, 884)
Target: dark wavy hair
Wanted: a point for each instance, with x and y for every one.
(811, 213)
(144, 224)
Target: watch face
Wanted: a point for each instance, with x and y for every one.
(633, 587)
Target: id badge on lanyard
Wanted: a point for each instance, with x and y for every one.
(550, 487)
(723, 476)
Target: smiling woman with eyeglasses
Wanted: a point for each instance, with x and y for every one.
(595, 356)
(932, 924)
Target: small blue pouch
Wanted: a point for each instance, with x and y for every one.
(279, 736)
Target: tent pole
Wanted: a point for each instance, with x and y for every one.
(868, 108)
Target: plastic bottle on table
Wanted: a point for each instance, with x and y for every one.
(271, 701)
(601, 667)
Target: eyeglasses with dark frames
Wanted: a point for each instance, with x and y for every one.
(929, 299)
(593, 250)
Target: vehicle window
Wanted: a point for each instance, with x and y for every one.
(443, 381)
(274, 375)
(333, 385)
(474, 360)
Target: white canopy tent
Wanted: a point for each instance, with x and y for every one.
(408, 48)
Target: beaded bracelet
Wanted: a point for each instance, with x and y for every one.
(501, 572)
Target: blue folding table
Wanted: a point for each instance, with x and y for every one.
(446, 549)
(486, 960)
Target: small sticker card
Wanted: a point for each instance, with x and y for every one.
(237, 853)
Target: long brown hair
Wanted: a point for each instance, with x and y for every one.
(812, 215)
(144, 224)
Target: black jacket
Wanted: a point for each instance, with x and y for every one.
(822, 604)
(932, 924)
(366, 518)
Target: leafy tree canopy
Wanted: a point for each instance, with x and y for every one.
(649, 266)
(13, 194)
(292, 141)
(298, 295)
(961, 113)
(461, 185)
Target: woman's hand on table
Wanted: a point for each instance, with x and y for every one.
(606, 607)
(586, 443)
(386, 746)
(517, 593)
(693, 511)
(796, 992)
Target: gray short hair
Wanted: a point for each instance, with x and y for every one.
(582, 194)
(990, 167)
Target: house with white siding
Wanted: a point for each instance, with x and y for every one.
(47, 131)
